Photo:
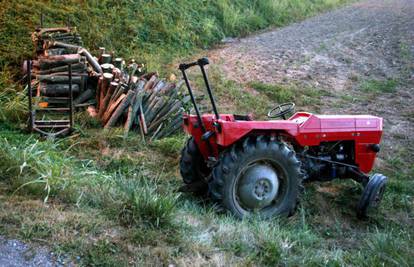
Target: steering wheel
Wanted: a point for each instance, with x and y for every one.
(280, 111)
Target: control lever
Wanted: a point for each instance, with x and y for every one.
(207, 135)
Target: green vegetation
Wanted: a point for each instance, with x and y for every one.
(255, 97)
(114, 201)
(379, 86)
(156, 32)
(301, 95)
(152, 30)
(278, 93)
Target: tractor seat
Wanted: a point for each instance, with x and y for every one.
(248, 117)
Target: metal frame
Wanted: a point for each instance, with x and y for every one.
(32, 114)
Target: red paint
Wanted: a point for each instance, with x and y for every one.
(303, 128)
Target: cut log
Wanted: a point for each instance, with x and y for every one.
(150, 83)
(160, 118)
(132, 111)
(107, 98)
(154, 111)
(94, 63)
(119, 63)
(98, 91)
(140, 85)
(57, 89)
(58, 51)
(107, 79)
(78, 67)
(56, 29)
(86, 95)
(107, 67)
(111, 109)
(106, 58)
(58, 79)
(49, 44)
(56, 61)
(142, 123)
(122, 89)
(120, 109)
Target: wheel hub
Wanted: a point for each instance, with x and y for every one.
(258, 186)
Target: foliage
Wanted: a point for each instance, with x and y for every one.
(379, 86)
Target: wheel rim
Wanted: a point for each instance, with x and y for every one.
(258, 186)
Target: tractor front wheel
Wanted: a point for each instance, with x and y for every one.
(259, 176)
(193, 169)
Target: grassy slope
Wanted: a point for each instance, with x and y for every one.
(113, 201)
(155, 32)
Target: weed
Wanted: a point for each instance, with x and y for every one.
(230, 96)
(103, 253)
(142, 204)
(13, 98)
(278, 93)
(302, 96)
(379, 86)
(170, 146)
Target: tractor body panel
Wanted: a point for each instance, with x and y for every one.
(302, 128)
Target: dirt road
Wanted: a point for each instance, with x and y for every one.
(340, 51)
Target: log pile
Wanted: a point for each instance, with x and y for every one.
(55, 49)
(122, 95)
(151, 105)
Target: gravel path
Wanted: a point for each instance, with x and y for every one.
(337, 51)
(14, 253)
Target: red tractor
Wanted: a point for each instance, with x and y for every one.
(258, 167)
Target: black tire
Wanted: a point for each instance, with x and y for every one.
(192, 166)
(257, 151)
(372, 195)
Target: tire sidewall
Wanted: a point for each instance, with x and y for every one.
(278, 156)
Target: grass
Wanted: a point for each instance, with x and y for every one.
(256, 97)
(155, 32)
(124, 209)
(99, 199)
(378, 86)
(281, 93)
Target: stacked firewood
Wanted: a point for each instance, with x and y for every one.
(145, 102)
(122, 95)
(55, 49)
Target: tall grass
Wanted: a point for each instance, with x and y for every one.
(48, 169)
(13, 101)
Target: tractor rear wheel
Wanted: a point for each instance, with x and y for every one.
(193, 169)
(259, 176)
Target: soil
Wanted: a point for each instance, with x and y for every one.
(338, 51)
(14, 253)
